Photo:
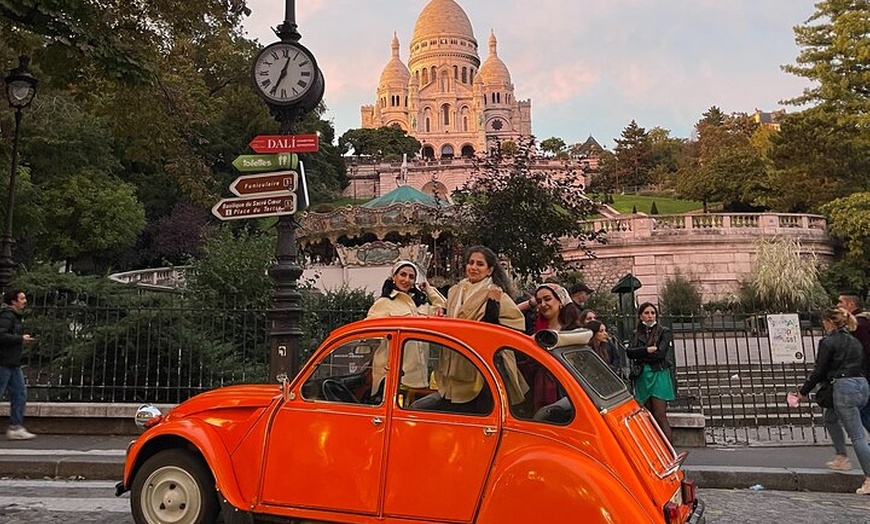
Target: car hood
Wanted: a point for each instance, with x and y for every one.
(246, 397)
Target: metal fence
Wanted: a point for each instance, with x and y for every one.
(164, 350)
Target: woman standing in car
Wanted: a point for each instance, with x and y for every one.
(651, 349)
(401, 297)
(484, 294)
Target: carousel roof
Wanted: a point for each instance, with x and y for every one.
(404, 195)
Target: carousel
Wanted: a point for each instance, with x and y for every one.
(355, 246)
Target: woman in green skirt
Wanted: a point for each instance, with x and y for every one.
(651, 351)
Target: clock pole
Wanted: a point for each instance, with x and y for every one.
(285, 317)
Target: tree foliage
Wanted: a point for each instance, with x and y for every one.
(834, 54)
(722, 164)
(632, 161)
(554, 146)
(387, 143)
(522, 213)
(815, 158)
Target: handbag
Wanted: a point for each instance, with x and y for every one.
(825, 395)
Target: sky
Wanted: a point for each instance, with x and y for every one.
(588, 66)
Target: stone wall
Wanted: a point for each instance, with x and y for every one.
(716, 251)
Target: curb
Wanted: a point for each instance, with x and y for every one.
(777, 479)
(95, 468)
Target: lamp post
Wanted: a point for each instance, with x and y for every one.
(20, 90)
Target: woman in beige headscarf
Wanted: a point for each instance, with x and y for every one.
(401, 296)
(484, 294)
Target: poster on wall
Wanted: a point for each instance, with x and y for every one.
(784, 335)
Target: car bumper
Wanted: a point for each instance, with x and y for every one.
(697, 515)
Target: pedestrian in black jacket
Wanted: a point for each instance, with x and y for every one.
(12, 340)
(839, 369)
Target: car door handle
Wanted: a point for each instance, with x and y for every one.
(487, 431)
(377, 421)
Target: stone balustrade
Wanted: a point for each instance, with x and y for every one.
(716, 250)
(158, 278)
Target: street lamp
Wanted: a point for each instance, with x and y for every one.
(20, 90)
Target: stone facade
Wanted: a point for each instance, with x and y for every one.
(716, 251)
(444, 97)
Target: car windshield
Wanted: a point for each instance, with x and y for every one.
(597, 378)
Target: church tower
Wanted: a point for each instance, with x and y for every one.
(444, 97)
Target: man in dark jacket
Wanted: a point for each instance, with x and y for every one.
(12, 340)
(851, 302)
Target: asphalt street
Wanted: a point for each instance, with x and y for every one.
(76, 502)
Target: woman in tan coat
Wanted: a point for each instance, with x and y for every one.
(484, 294)
(401, 296)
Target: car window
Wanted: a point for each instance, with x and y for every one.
(543, 398)
(451, 382)
(346, 374)
(597, 376)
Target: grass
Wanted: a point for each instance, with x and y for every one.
(665, 205)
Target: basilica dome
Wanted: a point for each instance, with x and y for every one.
(494, 71)
(442, 17)
(395, 73)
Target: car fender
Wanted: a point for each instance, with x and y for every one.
(540, 484)
(195, 435)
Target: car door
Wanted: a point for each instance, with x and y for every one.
(325, 448)
(439, 452)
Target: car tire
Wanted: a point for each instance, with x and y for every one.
(174, 487)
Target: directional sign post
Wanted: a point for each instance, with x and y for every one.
(280, 182)
(261, 163)
(255, 207)
(286, 143)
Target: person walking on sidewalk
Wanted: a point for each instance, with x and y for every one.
(839, 368)
(12, 340)
(851, 302)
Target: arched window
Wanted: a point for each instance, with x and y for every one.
(464, 75)
(445, 115)
(428, 125)
(465, 123)
(447, 151)
(471, 77)
(498, 98)
(456, 72)
(417, 76)
(425, 76)
(467, 151)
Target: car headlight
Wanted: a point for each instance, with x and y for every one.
(147, 415)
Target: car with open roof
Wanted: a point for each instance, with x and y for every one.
(530, 429)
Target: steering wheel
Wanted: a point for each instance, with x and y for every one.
(336, 391)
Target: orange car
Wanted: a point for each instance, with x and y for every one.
(416, 420)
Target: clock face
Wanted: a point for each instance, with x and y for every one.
(284, 72)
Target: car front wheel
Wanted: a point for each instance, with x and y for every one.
(174, 487)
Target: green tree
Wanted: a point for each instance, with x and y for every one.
(849, 222)
(834, 53)
(554, 146)
(632, 160)
(722, 164)
(91, 214)
(387, 143)
(522, 213)
(815, 158)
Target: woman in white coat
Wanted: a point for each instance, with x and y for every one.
(402, 296)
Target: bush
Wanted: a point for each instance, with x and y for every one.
(680, 298)
(783, 281)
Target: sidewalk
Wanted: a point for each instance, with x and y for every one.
(773, 468)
